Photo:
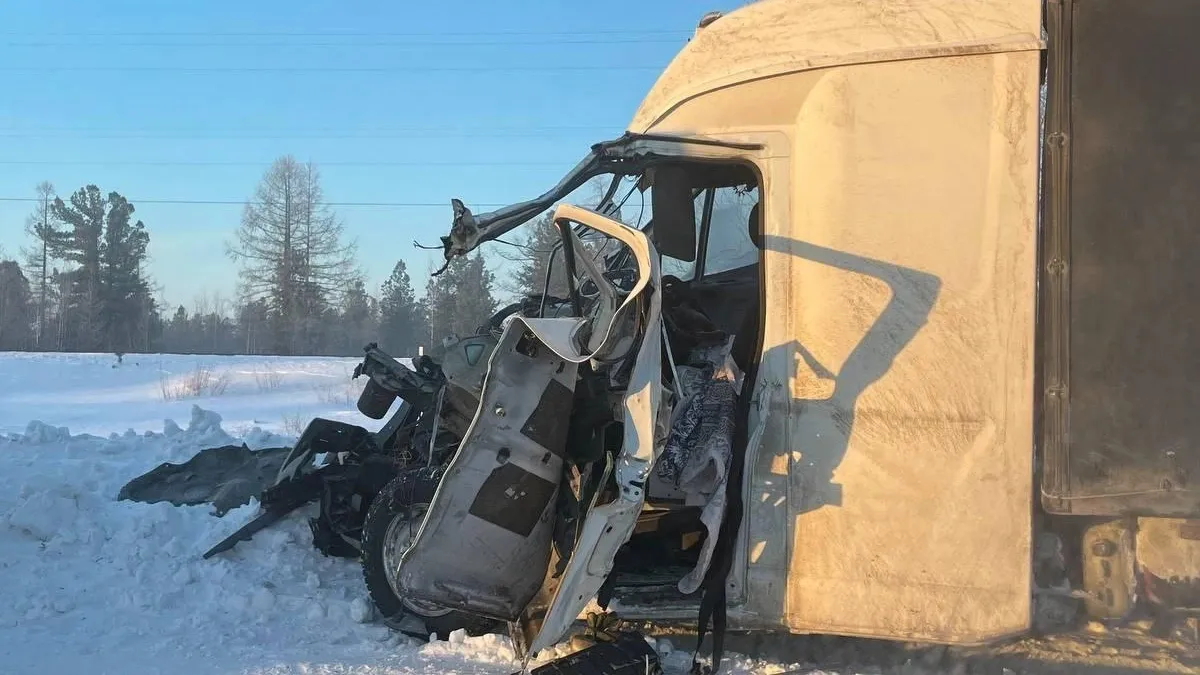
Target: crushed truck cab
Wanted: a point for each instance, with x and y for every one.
(884, 468)
(909, 288)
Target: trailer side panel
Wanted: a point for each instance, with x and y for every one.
(1121, 259)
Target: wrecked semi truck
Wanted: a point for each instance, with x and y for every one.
(950, 347)
(913, 293)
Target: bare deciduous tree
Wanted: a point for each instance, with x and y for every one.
(38, 257)
(292, 254)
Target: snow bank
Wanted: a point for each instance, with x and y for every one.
(91, 393)
(93, 585)
(87, 576)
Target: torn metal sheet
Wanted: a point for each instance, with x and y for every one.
(608, 526)
(226, 477)
(485, 541)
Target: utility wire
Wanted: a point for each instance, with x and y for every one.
(393, 43)
(531, 132)
(276, 137)
(120, 162)
(437, 34)
(240, 202)
(324, 69)
(388, 129)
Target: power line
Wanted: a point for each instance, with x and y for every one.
(241, 202)
(426, 43)
(415, 132)
(323, 69)
(405, 127)
(437, 34)
(121, 162)
(276, 137)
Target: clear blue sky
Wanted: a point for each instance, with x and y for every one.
(490, 102)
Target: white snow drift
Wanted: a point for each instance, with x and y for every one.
(91, 585)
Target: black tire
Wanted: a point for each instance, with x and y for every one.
(402, 500)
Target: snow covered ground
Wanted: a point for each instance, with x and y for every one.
(91, 393)
(89, 585)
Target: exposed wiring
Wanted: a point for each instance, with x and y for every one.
(523, 247)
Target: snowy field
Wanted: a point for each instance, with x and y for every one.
(92, 586)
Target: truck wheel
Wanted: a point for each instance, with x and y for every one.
(391, 524)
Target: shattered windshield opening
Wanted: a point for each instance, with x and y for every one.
(628, 155)
(538, 246)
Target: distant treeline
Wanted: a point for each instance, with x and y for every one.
(80, 283)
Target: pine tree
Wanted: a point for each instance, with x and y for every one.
(106, 301)
(16, 308)
(535, 258)
(533, 253)
(476, 298)
(440, 301)
(125, 301)
(403, 326)
(177, 333)
(79, 243)
(529, 278)
(252, 328)
(461, 299)
(358, 320)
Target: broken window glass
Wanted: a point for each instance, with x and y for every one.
(729, 243)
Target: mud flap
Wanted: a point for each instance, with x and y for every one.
(485, 543)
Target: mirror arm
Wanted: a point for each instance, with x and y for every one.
(549, 274)
(564, 228)
(468, 230)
